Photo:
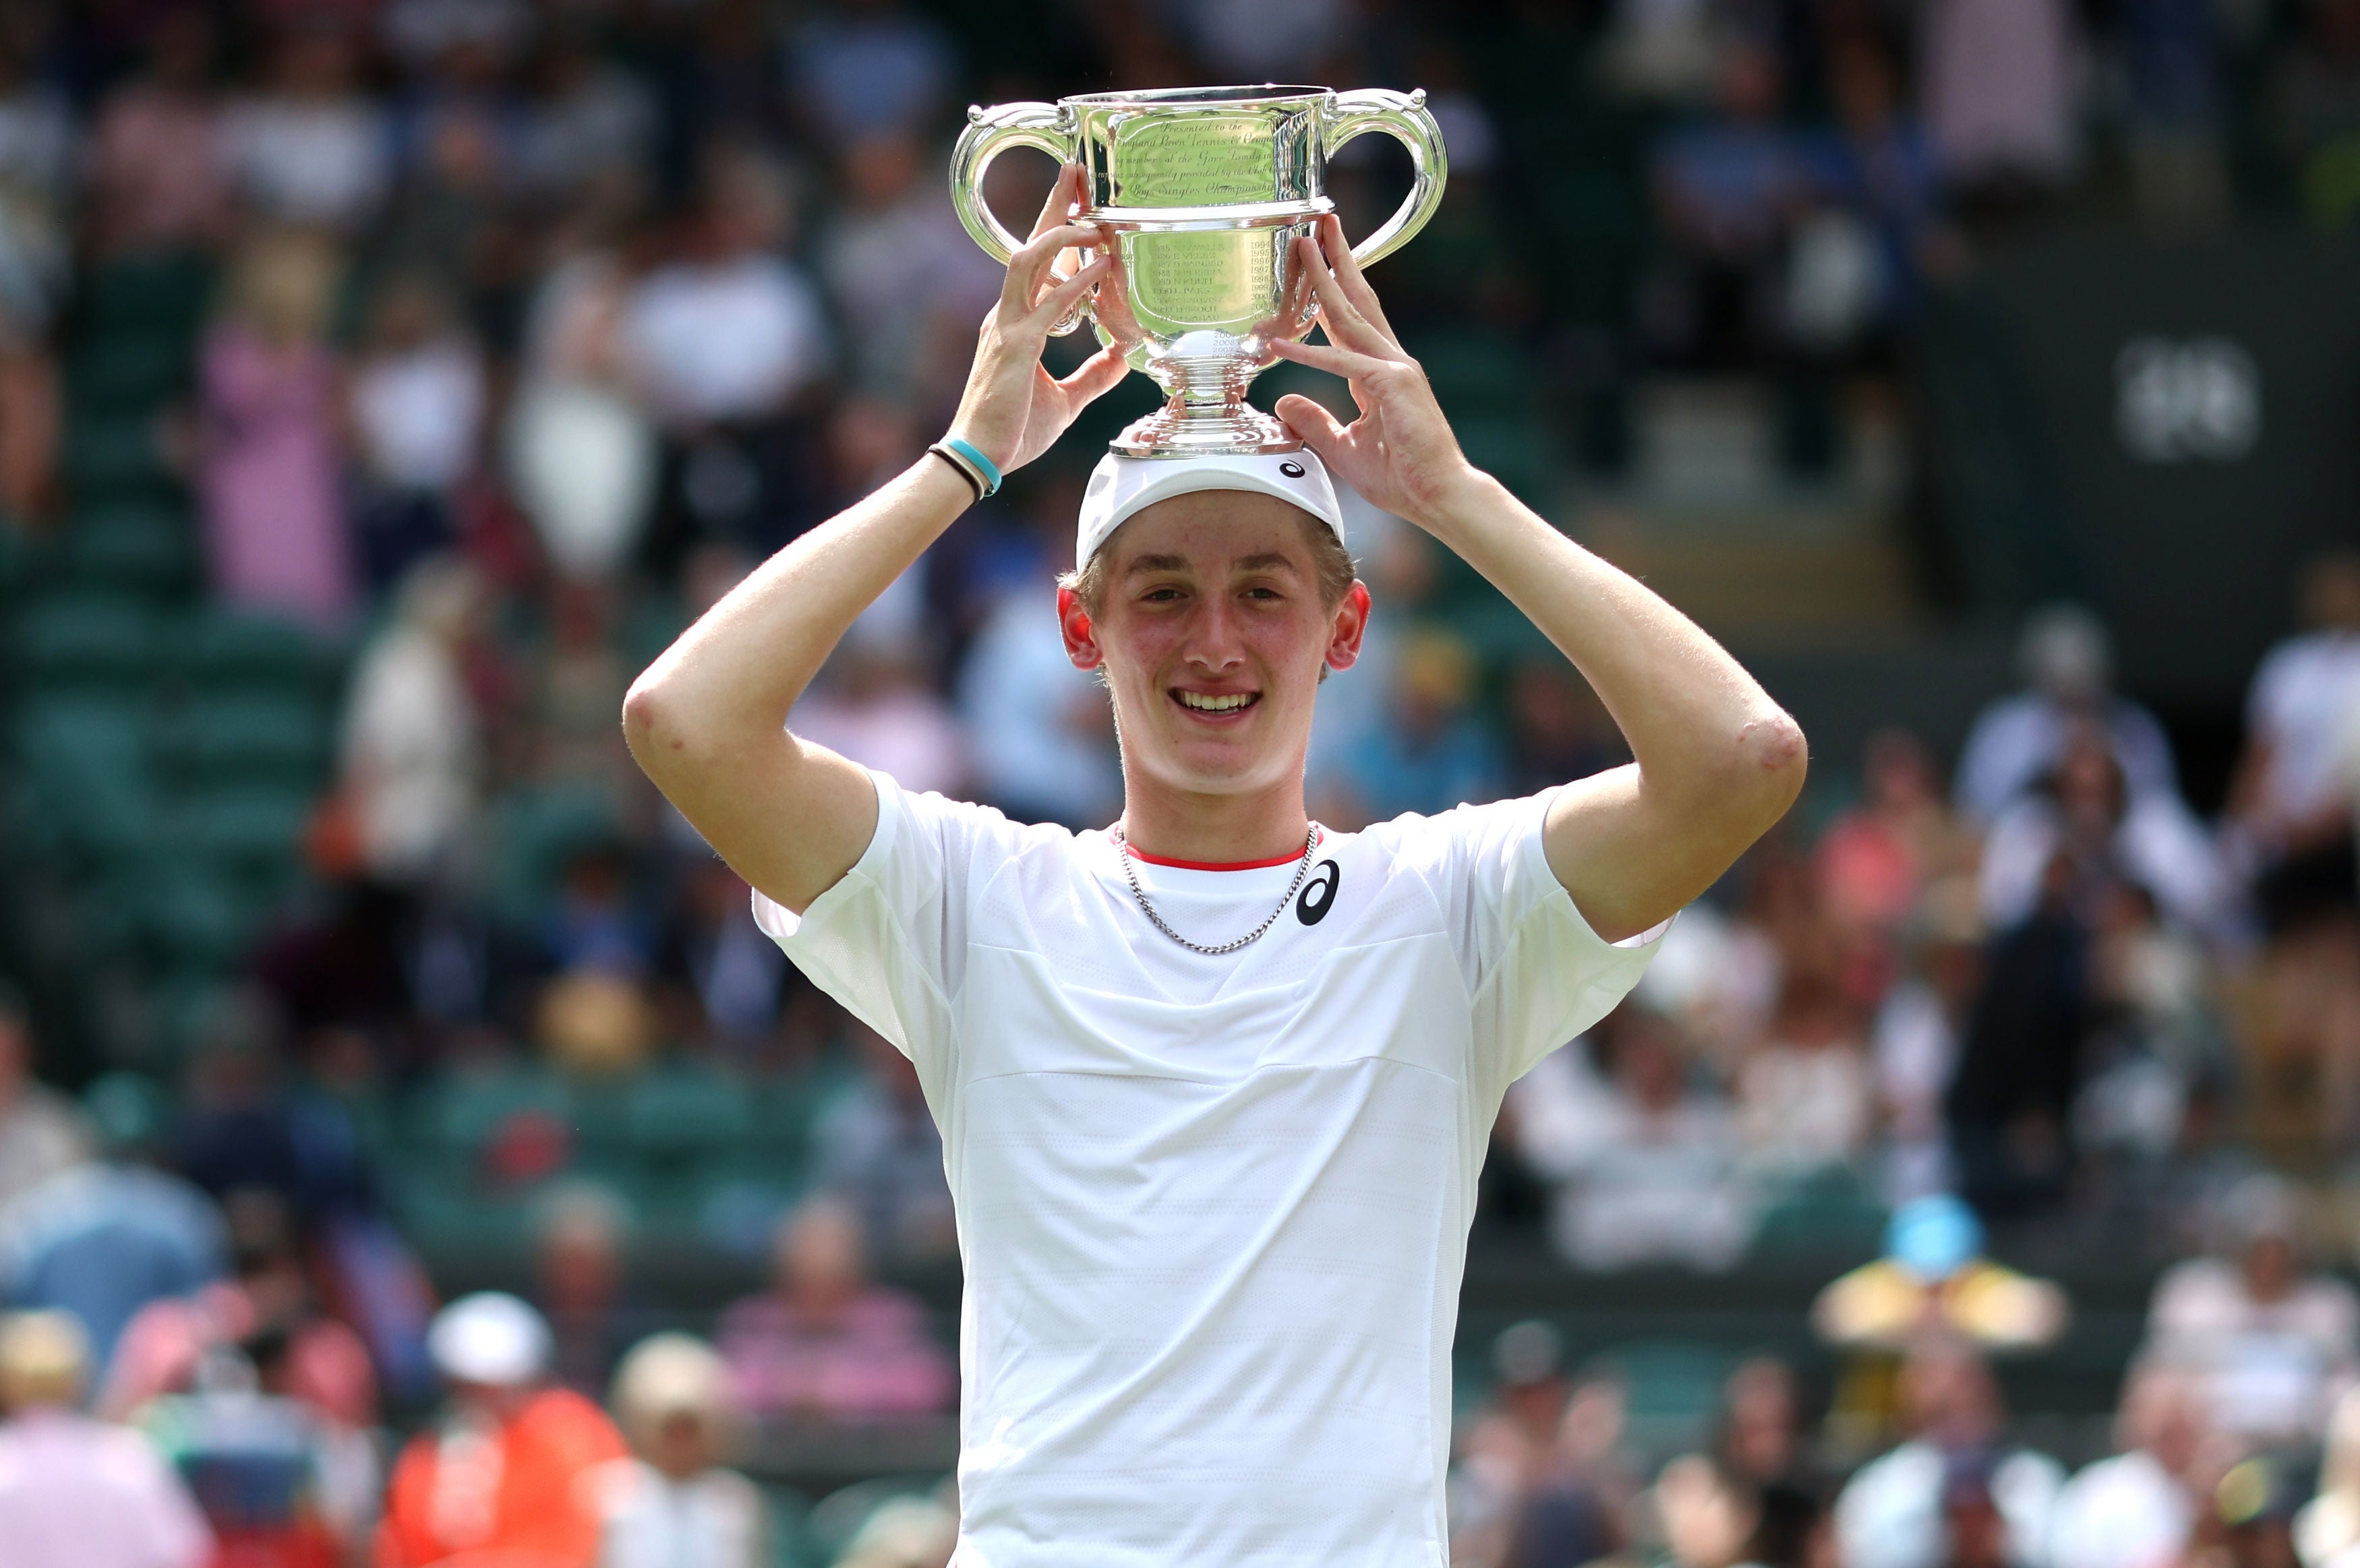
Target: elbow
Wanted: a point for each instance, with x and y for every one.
(1773, 759)
(651, 727)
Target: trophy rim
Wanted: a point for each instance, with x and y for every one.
(1204, 97)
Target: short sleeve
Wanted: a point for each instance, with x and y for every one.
(889, 940)
(1536, 974)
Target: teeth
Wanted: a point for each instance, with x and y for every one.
(1204, 703)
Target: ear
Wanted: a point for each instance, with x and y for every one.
(1081, 643)
(1351, 624)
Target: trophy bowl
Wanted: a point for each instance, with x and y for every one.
(1199, 193)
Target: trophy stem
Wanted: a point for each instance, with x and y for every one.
(1207, 412)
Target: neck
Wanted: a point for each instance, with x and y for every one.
(1213, 830)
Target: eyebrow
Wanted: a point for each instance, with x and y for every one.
(1262, 563)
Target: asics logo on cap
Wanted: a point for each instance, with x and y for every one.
(1293, 470)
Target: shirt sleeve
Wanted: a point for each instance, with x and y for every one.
(1536, 974)
(889, 940)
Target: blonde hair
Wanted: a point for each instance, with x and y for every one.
(44, 1359)
(670, 1375)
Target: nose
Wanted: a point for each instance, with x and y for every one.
(1214, 644)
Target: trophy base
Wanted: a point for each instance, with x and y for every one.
(1236, 431)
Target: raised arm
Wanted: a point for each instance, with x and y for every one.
(1716, 761)
(707, 720)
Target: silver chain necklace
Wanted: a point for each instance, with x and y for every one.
(1302, 869)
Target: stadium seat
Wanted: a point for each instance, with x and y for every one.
(252, 830)
(265, 738)
(223, 648)
(146, 551)
(163, 295)
(120, 373)
(116, 459)
(87, 642)
(84, 763)
(1673, 1390)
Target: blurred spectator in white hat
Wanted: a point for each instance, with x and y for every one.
(412, 749)
(676, 1502)
(2139, 1508)
(2067, 663)
(76, 1492)
(501, 1474)
(312, 148)
(2271, 1346)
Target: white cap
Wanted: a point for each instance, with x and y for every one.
(489, 1337)
(1121, 485)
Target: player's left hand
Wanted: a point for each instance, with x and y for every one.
(1400, 454)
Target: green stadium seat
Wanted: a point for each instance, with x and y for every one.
(87, 642)
(252, 830)
(265, 738)
(222, 648)
(116, 459)
(118, 373)
(1673, 1391)
(84, 764)
(149, 551)
(686, 1124)
(164, 295)
(189, 917)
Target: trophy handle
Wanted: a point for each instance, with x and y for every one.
(989, 133)
(1405, 117)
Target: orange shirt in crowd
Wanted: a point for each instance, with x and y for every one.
(516, 1494)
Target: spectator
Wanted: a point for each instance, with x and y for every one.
(1873, 178)
(827, 1343)
(102, 1239)
(1435, 754)
(580, 453)
(1933, 1280)
(2106, 835)
(2141, 1506)
(157, 176)
(578, 1266)
(1038, 730)
(318, 1360)
(2271, 1347)
(874, 706)
(1915, 1035)
(877, 1149)
(2017, 741)
(38, 154)
(1761, 1439)
(413, 747)
(870, 66)
(41, 1133)
(1558, 729)
(674, 1502)
(1726, 190)
(417, 410)
(1806, 1099)
(1998, 79)
(2313, 110)
(505, 1470)
(274, 512)
(1508, 1448)
(313, 149)
(908, 284)
(75, 1492)
(723, 339)
(1875, 862)
(1643, 1162)
(2327, 1531)
(713, 958)
(1953, 1493)
(589, 131)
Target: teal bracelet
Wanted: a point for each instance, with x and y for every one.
(989, 469)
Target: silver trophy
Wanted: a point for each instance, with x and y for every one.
(1200, 192)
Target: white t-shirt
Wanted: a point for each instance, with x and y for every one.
(1213, 1211)
(2305, 701)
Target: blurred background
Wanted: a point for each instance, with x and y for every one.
(383, 383)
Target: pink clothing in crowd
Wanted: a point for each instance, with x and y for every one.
(78, 1493)
(1997, 79)
(873, 1358)
(274, 513)
(328, 1368)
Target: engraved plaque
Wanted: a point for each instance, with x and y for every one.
(1220, 278)
(1194, 160)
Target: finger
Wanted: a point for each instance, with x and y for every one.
(1343, 361)
(1063, 191)
(1096, 375)
(1338, 315)
(1030, 267)
(1063, 298)
(1347, 268)
(1318, 428)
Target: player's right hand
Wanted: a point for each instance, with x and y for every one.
(1012, 407)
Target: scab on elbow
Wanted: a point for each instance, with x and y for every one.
(644, 716)
(1776, 755)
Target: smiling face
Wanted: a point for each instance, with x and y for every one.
(1212, 626)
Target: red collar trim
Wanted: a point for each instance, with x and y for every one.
(1138, 853)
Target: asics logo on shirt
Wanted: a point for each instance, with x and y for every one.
(1318, 895)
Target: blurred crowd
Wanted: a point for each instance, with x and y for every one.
(529, 327)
